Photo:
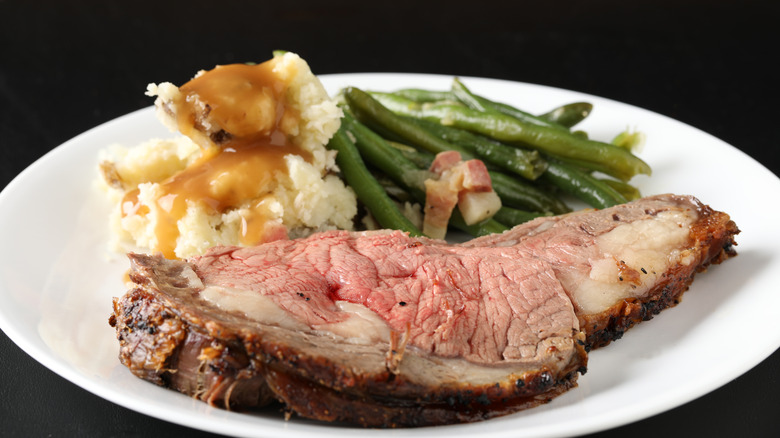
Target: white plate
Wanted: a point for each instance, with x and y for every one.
(57, 280)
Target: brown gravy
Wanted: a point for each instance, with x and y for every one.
(248, 102)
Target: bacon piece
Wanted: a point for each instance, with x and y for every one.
(466, 184)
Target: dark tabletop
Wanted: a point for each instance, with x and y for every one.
(68, 66)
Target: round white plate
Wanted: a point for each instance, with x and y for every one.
(57, 279)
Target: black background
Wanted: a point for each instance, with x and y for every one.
(66, 67)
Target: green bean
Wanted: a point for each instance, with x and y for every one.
(519, 194)
(628, 191)
(395, 191)
(630, 140)
(399, 104)
(420, 95)
(522, 162)
(482, 104)
(471, 100)
(367, 189)
(489, 226)
(589, 166)
(582, 134)
(582, 185)
(615, 161)
(369, 111)
(570, 114)
(566, 115)
(421, 159)
(512, 217)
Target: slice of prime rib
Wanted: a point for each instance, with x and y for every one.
(382, 330)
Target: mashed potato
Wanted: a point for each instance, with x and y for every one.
(250, 167)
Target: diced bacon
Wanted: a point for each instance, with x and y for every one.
(463, 183)
(476, 177)
(445, 161)
(441, 197)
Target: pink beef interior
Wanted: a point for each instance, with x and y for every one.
(478, 303)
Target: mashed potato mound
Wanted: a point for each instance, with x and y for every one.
(244, 200)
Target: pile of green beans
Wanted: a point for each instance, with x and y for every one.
(532, 159)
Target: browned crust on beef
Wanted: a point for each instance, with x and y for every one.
(158, 346)
(712, 238)
(388, 400)
(312, 400)
(166, 342)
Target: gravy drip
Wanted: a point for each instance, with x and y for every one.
(248, 102)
